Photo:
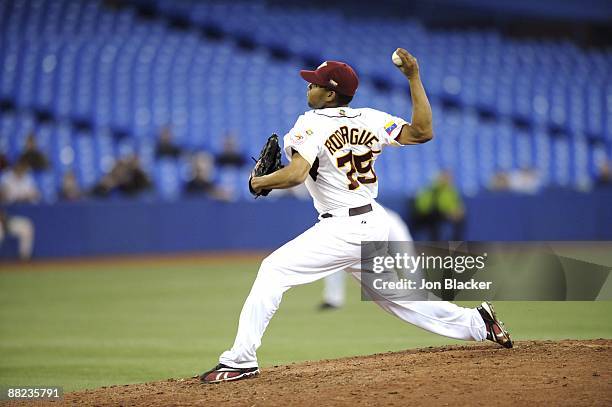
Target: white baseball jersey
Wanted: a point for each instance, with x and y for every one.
(341, 144)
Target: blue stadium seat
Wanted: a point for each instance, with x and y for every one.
(520, 102)
(167, 179)
(47, 185)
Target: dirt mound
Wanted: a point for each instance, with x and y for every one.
(569, 372)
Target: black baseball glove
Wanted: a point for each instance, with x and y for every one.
(268, 162)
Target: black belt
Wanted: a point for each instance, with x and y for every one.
(360, 210)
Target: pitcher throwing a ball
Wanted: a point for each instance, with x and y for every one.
(333, 148)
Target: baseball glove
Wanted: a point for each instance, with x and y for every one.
(268, 162)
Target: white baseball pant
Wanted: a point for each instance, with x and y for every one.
(331, 245)
(23, 229)
(334, 288)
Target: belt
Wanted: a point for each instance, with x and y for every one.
(360, 210)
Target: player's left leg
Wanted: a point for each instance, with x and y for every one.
(309, 257)
(332, 245)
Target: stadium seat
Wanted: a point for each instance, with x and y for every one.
(502, 103)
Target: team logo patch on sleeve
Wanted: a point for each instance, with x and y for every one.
(389, 127)
(297, 139)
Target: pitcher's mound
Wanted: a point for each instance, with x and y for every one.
(546, 373)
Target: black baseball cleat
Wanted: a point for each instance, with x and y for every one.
(223, 373)
(326, 306)
(496, 331)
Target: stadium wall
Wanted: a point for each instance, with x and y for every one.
(118, 227)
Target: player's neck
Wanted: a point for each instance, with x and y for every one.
(335, 106)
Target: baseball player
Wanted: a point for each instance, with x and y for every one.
(332, 148)
(21, 228)
(334, 288)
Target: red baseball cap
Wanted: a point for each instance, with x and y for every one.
(334, 75)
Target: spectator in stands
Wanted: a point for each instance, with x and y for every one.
(525, 180)
(165, 146)
(437, 206)
(604, 175)
(126, 176)
(105, 186)
(132, 179)
(499, 182)
(70, 190)
(201, 183)
(17, 185)
(230, 155)
(4, 162)
(22, 229)
(32, 155)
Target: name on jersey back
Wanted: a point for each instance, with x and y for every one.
(354, 136)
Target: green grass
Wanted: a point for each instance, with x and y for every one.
(86, 326)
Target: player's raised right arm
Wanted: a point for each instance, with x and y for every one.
(420, 129)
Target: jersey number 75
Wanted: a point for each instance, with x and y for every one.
(360, 164)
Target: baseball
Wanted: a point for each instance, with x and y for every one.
(396, 59)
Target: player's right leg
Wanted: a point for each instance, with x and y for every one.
(334, 288)
(441, 317)
(444, 318)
